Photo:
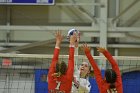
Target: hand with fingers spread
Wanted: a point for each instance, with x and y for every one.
(101, 49)
(59, 38)
(73, 39)
(85, 47)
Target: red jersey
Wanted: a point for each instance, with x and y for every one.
(102, 84)
(63, 83)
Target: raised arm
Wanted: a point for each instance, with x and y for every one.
(59, 38)
(97, 71)
(111, 61)
(70, 70)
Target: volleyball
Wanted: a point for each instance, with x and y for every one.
(71, 31)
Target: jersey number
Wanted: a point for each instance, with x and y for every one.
(58, 85)
(112, 90)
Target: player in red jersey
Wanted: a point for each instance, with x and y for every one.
(60, 76)
(112, 83)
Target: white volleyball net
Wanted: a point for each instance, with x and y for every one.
(18, 72)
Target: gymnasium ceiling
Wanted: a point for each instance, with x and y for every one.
(31, 28)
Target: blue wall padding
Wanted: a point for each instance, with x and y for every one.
(94, 87)
(40, 86)
(131, 82)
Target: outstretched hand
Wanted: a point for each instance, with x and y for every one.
(100, 49)
(85, 47)
(73, 39)
(59, 37)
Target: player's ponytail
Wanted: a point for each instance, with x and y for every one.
(111, 77)
(60, 69)
(112, 85)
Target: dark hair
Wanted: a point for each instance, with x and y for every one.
(89, 68)
(61, 68)
(111, 77)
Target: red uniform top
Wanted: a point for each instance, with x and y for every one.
(63, 83)
(102, 84)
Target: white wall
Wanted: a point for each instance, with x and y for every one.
(131, 12)
(129, 52)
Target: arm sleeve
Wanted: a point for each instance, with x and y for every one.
(76, 71)
(70, 69)
(114, 65)
(97, 71)
(54, 60)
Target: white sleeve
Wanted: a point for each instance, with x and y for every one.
(76, 77)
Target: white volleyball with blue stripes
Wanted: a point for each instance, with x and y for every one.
(71, 31)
